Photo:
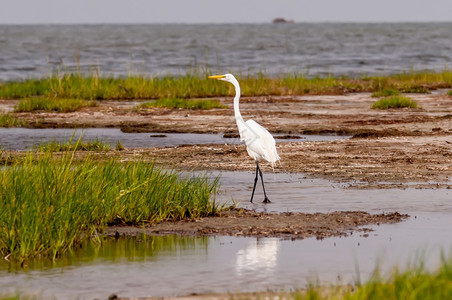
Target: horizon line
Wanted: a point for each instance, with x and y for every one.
(222, 23)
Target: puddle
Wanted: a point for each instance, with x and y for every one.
(294, 192)
(171, 265)
(25, 138)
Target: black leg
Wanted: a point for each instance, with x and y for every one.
(255, 181)
(266, 200)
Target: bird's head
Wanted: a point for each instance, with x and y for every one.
(224, 77)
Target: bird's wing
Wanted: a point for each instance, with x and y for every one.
(259, 142)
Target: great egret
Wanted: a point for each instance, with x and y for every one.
(260, 144)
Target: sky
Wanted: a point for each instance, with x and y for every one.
(221, 11)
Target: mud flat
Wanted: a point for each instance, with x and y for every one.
(388, 146)
(388, 162)
(328, 114)
(240, 222)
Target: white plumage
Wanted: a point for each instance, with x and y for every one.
(260, 144)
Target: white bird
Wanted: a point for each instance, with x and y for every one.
(260, 144)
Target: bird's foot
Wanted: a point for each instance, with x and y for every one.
(266, 200)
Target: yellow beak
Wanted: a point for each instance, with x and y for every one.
(217, 76)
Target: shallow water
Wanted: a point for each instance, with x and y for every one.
(296, 192)
(166, 266)
(229, 264)
(314, 49)
(24, 138)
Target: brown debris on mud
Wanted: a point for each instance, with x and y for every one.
(241, 222)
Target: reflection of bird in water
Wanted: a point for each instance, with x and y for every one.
(258, 256)
(260, 144)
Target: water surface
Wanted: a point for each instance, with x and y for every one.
(170, 266)
(299, 193)
(153, 49)
(25, 138)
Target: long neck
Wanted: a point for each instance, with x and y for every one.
(236, 100)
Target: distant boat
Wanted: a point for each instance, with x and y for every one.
(281, 20)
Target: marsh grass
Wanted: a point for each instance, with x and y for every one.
(196, 85)
(80, 145)
(8, 120)
(52, 104)
(385, 93)
(119, 146)
(395, 102)
(21, 296)
(51, 204)
(175, 103)
(76, 86)
(450, 93)
(414, 283)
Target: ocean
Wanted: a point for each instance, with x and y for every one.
(35, 51)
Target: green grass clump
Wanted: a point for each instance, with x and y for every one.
(385, 93)
(196, 85)
(182, 104)
(48, 205)
(415, 283)
(55, 146)
(49, 104)
(119, 146)
(450, 93)
(8, 120)
(411, 284)
(394, 102)
(416, 89)
(21, 296)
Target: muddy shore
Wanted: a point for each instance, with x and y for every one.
(325, 114)
(240, 222)
(388, 148)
